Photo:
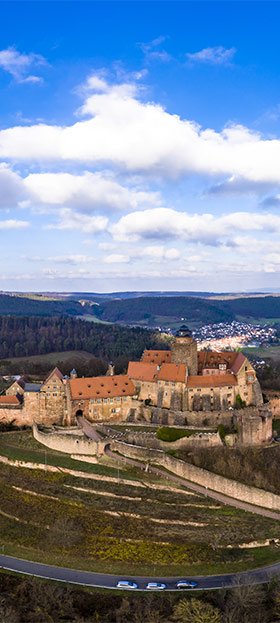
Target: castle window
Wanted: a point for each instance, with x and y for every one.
(211, 390)
(111, 400)
(125, 398)
(118, 398)
(228, 395)
(166, 383)
(207, 371)
(159, 382)
(246, 368)
(173, 384)
(198, 390)
(245, 387)
(99, 400)
(80, 393)
(113, 410)
(245, 393)
(230, 387)
(212, 371)
(92, 401)
(49, 395)
(105, 400)
(54, 394)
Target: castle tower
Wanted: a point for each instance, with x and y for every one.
(111, 369)
(73, 374)
(184, 350)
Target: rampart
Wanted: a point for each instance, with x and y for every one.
(149, 439)
(228, 487)
(69, 443)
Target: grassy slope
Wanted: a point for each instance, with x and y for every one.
(115, 521)
(53, 358)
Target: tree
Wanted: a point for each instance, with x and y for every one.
(196, 611)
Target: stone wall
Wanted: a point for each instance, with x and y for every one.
(228, 487)
(149, 440)
(11, 414)
(71, 444)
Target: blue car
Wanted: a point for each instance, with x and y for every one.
(155, 586)
(126, 584)
(186, 584)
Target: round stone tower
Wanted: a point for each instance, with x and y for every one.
(184, 350)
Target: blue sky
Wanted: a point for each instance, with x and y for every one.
(139, 146)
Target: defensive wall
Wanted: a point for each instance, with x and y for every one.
(166, 417)
(149, 439)
(202, 477)
(69, 443)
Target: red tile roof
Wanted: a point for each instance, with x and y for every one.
(175, 372)
(238, 363)
(215, 380)
(212, 359)
(156, 356)
(101, 387)
(142, 371)
(55, 372)
(9, 400)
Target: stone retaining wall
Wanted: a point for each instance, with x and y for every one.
(71, 444)
(232, 488)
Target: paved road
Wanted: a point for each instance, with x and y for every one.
(194, 487)
(86, 578)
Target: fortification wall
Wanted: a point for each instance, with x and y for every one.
(14, 414)
(71, 444)
(228, 487)
(198, 440)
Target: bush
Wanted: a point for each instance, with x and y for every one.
(239, 402)
(165, 433)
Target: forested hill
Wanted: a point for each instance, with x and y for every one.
(145, 308)
(25, 306)
(251, 307)
(153, 310)
(25, 336)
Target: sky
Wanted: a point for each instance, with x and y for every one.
(139, 146)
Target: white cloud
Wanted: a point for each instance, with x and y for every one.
(87, 192)
(18, 64)
(116, 259)
(217, 55)
(152, 52)
(164, 223)
(81, 222)
(72, 259)
(11, 187)
(133, 136)
(13, 224)
(158, 252)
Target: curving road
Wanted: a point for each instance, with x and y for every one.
(87, 578)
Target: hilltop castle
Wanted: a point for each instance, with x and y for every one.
(180, 379)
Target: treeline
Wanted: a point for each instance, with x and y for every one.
(26, 336)
(28, 600)
(25, 306)
(145, 308)
(255, 466)
(204, 311)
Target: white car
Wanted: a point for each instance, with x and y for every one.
(155, 586)
(186, 584)
(126, 584)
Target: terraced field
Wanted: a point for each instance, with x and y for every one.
(120, 521)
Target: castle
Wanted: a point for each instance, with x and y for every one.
(178, 380)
